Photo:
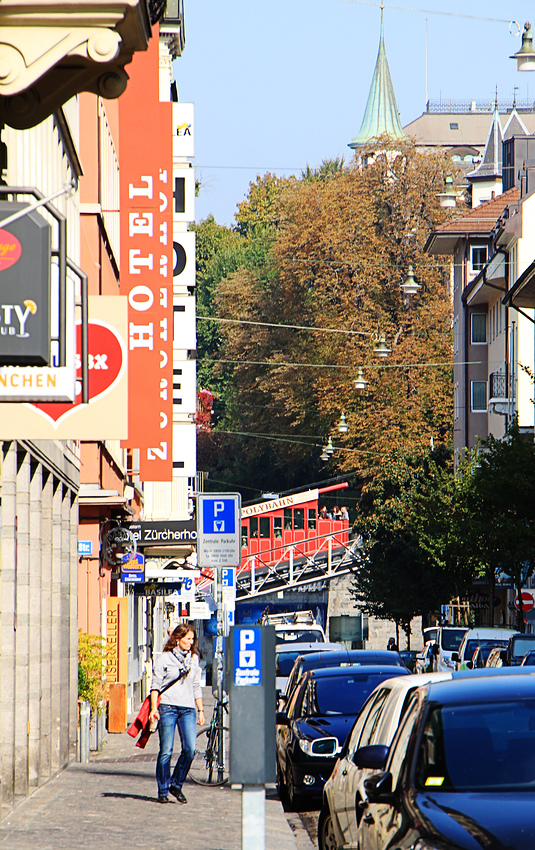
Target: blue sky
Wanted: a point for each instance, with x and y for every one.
(281, 84)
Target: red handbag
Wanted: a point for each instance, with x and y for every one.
(141, 723)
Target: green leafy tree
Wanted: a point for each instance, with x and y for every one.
(91, 669)
(502, 502)
(413, 520)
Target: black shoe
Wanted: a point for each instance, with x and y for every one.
(176, 792)
(164, 799)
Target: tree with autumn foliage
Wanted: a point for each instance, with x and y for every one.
(332, 254)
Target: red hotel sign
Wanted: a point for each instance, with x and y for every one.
(145, 128)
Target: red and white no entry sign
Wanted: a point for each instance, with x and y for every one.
(527, 601)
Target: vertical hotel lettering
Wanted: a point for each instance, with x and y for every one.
(146, 266)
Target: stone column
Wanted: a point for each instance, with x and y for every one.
(35, 632)
(8, 543)
(57, 499)
(45, 760)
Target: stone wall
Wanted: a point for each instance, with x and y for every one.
(38, 614)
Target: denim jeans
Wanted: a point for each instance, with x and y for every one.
(172, 716)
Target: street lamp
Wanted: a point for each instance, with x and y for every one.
(525, 57)
(381, 348)
(360, 382)
(342, 424)
(410, 287)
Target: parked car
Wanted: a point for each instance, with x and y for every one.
(343, 658)
(481, 656)
(320, 715)
(528, 659)
(494, 655)
(516, 649)
(488, 637)
(425, 659)
(286, 655)
(376, 724)
(408, 656)
(447, 642)
(459, 772)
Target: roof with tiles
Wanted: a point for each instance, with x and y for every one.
(480, 219)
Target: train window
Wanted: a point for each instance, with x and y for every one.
(287, 519)
(312, 518)
(244, 535)
(254, 526)
(299, 518)
(264, 526)
(277, 527)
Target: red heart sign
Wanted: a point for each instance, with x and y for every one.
(105, 365)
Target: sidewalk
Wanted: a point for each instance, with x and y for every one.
(112, 803)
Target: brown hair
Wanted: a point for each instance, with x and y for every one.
(177, 635)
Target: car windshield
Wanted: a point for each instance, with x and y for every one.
(451, 639)
(485, 643)
(286, 660)
(488, 746)
(343, 694)
(296, 636)
(523, 644)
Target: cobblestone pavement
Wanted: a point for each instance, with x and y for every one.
(112, 803)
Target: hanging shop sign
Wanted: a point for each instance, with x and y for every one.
(183, 129)
(105, 416)
(24, 288)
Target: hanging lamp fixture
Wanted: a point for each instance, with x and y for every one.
(360, 382)
(381, 348)
(525, 57)
(410, 287)
(329, 448)
(342, 424)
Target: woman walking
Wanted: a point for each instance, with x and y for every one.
(179, 661)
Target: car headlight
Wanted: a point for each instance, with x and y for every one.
(320, 747)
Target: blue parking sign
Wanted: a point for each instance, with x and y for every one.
(247, 656)
(219, 516)
(219, 529)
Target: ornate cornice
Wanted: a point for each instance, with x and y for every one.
(52, 50)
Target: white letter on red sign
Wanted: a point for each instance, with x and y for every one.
(143, 191)
(141, 336)
(135, 261)
(138, 292)
(140, 224)
(161, 453)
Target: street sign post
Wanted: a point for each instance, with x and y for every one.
(219, 547)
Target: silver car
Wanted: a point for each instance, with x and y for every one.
(344, 790)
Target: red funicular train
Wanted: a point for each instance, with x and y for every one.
(269, 528)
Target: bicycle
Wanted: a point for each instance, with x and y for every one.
(210, 764)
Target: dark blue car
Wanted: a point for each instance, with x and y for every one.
(318, 719)
(460, 773)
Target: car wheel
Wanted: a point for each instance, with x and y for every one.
(281, 784)
(326, 836)
(293, 797)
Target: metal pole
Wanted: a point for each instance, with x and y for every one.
(85, 718)
(253, 817)
(219, 670)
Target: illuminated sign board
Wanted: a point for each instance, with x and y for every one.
(24, 288)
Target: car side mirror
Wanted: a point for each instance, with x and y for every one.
(455, 657)
(281, 718)
(469, 664)
(503, 656)
(373, 757)
(435, 649)
(379, 788)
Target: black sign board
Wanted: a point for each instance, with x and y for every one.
(157, 589)
(164, 533)
(24, 288)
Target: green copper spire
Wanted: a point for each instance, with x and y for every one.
(381, 116)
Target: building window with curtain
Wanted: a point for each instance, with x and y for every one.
(478, 328)
(479, 396)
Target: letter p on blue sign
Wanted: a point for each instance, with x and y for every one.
(219, 516)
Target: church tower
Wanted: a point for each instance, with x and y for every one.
(381, 116)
